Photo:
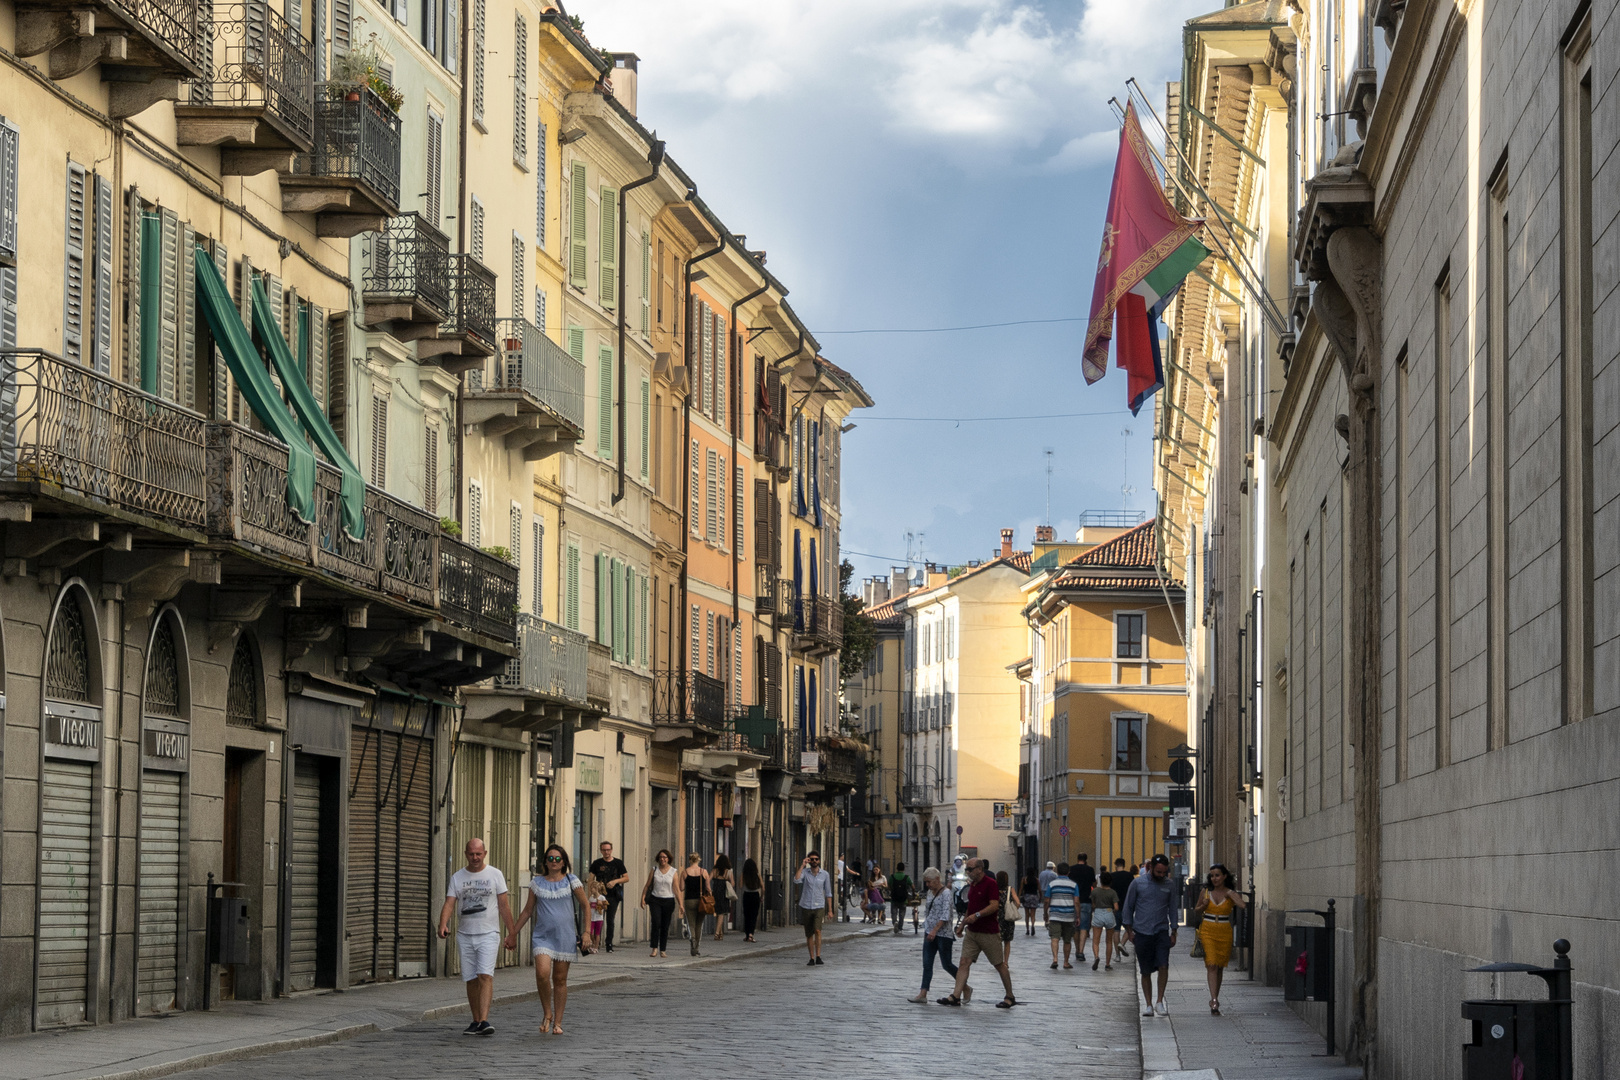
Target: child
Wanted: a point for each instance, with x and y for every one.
(597, 895)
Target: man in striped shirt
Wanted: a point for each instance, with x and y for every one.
(1059, 903)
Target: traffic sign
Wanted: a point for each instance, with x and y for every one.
(1063, 830)
(959, 830)
(1181, 771)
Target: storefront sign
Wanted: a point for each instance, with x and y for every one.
(1002, 815)
(810, 761)
(627, 771)
(587, 772)
(72, 731)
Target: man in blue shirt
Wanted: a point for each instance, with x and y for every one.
(1149, 918)
(815, 902)
(1059, 904)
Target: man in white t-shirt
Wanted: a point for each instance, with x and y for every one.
(480, 892)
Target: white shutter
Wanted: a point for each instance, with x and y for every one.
(520, 93)
(10, 149)
(722, 361)
(646, 284)
(520, 301)
(608, 245)
(168, 307)
(697, 630)
(646, 428)
(737, 513)
(538, 558)
(477, 62)
(73, 265)
(571, 588)
(103, 271)
(707, 332)
(540, 186)
(475, 514)
(317, 355)
(693, 487)
(342, 26)
(477, 228)
(710, 465)
(435, 168)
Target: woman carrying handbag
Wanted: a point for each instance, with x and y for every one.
(698, 897)
(720, 883)
(1216, 905)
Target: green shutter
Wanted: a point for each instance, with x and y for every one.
(578, 261)
(629, 615)
(615, 569)
(604, 392)
(602, 599)
(610, 246)
(571, 588)
(151, 250)
(646, 427)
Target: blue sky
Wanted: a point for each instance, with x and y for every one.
(924, 163)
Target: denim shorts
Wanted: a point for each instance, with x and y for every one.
(1152, 951)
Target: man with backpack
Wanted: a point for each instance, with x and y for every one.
(899, 894)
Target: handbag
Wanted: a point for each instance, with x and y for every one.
(1198, 947)
(706, 902)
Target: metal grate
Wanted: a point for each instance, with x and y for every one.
(163, 674)
(67, 669)
(472, 300)
(171, 23)
(410, 261)
(267, 64)
(242, 695)
(531, 362)
(354, 140)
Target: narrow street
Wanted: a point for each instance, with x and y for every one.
(742, 1019)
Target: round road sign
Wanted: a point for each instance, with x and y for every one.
(959, 830)
(1181, 771)
(1063, 830)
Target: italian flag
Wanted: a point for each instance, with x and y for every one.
(1148, 250)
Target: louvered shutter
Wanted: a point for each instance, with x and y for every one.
(721, 485)
(540, 150)
(571, 596)
(736, 664)
(696, 637)
(646, 284)
(578, 214)
(646, 619)
(629, 615)
(435, 169)
(602, 599)
(8, 307)
(709, 466)
(475, 514)
(722, 403)
(221, 388)
(706, 333)
(477, 228)
(132, 288)
(168, 306)
(520, 93)
(73, 265)
(520, 259)
(604, 389)
(103, 271)
(295, 13)
(342, 26)
(317, 355)
(10, 164)
(450, 47)
(477, 62)
(430, 469)
(379, 441)
(616, 588)
(693, 482)
(514, 534)
(815, 471)
(738, 513)
(646, 428)
(762, 521)
(708, 643)
(609, 243)
(538, 557)
(186, 270)
(337, 371)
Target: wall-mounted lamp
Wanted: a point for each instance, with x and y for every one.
(572, 135)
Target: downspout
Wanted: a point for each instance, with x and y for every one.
(461, 246)
(776, 492)
(655, 158)
(734, 363)
(686, 437)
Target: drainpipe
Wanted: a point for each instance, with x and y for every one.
(734, 362)
(465, 49)
(686, 435)
(655, 158)
(777, 630)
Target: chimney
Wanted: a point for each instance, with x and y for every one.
(1045, 534)
(877, 591)
(1006, 543)
(624, 79)
(898, 583)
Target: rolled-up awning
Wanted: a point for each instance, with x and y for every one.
(253, 380)
(309, 411)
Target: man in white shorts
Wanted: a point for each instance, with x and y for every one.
(480, 890)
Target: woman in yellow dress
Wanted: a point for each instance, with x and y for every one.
(1216, 904)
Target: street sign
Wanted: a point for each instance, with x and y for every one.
(1181, 771)
(1180, 797)
(891, 836)
(1182, 750)
(1063, 830)
(959, 830)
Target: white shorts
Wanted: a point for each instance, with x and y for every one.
(478, 954)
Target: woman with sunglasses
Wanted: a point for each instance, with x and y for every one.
(552, 895)
(659, 894)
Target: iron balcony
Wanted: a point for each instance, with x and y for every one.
(405, 279)
(256, 101)
(477, 590)
(350, 178)
(552, 661)
(467, 334)
(531, 393)
(145, 47)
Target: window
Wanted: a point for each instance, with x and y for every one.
(646, 427)
(1128, 743)
(379, 441)
(706, 324)
(537, 556)
(430, 469)
(435, 170)
(694, 515)
(737, 505)
(646, 284)
(10, 162)
(571, 586)
(540, 309)
(520, 300)
(477, 228)
(478, 65)
(708, 644)
(696, 635)
(722, 482)
(608, 252)
(73, 290)
(722, 404)
(660, 282)
(1443, 377)
(1128, 635)
(520, 95)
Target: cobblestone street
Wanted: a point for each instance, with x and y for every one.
(743, 1019)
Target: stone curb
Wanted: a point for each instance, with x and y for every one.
(240, 1053)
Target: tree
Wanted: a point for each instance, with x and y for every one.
(859, 637)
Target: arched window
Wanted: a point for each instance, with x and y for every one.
(163, 673)
(68, 668)
(242, 696)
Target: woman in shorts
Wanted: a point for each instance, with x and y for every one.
(552, 895)
(1104, 920)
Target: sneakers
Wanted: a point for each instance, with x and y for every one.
(1147, 1010)
(1162, 1008)
(486, 1028)
(472, 1028)
(811, 962)
(818, 961)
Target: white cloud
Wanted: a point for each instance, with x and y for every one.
(1082, 152)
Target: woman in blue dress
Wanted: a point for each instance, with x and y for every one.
(552, 895)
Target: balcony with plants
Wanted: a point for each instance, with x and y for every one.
(530, 393)
(146, 49)
(350, 178)
(256, 101)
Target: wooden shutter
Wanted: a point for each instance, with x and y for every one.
(132, 288)
(103, 271)
(571, 588)
(435, 169)
(222, 385)
(475, 514)
(430, 469)
(379, 441)
(317, 355)
(540, 187)
(342, 26)
(73, 265)
(722, 361)
(168, 307)
(10, 165)
(629, 615)
(762, 521)
(477, 228)
(520, 300)
(646, 619)
(514, 534)
(186, 271)
(337, 370)
(604, 390)
(646, 428)
(696, 637)
(646, 284)
(706, 336)
(709, 466)
(8, 307)
(609, 243)
(693, 483)
(578, 260)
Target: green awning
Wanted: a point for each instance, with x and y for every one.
(314, 419)
(253, 380)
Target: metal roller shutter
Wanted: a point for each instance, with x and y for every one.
(469, 804)
(305, 875)
(416, 910)
(505, 829)
(390, 833)
(64, 893)
(362, 899)
(159, 933)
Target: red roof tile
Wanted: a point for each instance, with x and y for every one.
(1132, 550)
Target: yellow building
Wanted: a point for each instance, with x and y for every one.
(876, 701)
(1108, 680)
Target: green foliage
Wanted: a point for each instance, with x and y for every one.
(450, 527)
(859, 636)
(502, 553)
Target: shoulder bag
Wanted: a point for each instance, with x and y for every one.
(706, 901)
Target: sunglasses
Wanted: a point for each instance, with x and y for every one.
(554, 858)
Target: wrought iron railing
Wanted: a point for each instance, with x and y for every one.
(842, 765)
(409, 537)
(259, 60)
(765, 591)
(688, 697)
(782, 751)
(786, 601)
(821, 619)
(598, 673)
(247, 474)
(357, 137)
(64, 425)
(751, 727)
(409, 260)
(530, 362)
(337, 552)
(477, 590)
(472, 300)
(921, 795)
(170, 23)
(552, 660)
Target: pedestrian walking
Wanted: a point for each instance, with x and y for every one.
(871, 901)
(552, 896)
(1149, 918)
(1104, 923)
(1219, 900)
(815, 902)
(1084, 878)
(599, 905)
(1007, 913)
(477, 894)
(899, 895)
(1046, 877)
(1059, 910)
(1029, 891)
(723, 886)
(938, 936)
(1120, 880)
(694, 891)
(659, 895)
(613, 874)
(982, 934)
(753, 894)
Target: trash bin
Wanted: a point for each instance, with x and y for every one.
(1308, 967)
(228, 930)
(1519, 1039)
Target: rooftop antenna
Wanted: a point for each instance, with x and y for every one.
(1048, 452)
(1127, 489)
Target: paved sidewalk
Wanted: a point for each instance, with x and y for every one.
(1256, 1037)
(232, 1031)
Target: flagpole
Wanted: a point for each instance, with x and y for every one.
(1278, 323)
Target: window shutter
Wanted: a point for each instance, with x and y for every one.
(602, 627)
(571, 589)
(578, 260)
(435, 169)
(693, 483)
(220, 390)
(450, 46)
(616, 585)
(520, 300)
(475, 514)
(646, 620)
(168, 306)
(132, 288)
(736, 664)
(722, 403)
(604, 389)
(186, 269)
(738, 513)
(708, 644)
(73, 267)
(8, 307)
(337, 370)
(696, 637)
(540, 150)
(103, 268)
(609, 246)
(709, 464)
(514, 534)
(576, 344)
(430, 469)
(646, 284)
(520, 93)
(722, 484)
(10, 164)
(707, 332)
(295, 13)
(629, 615)
(537, 557)
(317, 355)
(477, 58)
(379, 442)
(646, 428)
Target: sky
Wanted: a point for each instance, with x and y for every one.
(918, 164)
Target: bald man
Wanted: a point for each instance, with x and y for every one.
(480, 892)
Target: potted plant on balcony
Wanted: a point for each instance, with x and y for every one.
(361, 67)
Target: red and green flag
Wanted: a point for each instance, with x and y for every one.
(1147, 250)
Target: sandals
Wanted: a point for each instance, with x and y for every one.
(1007, 1002)
(952, 1001)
